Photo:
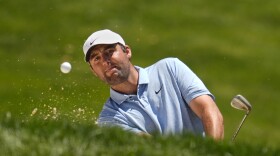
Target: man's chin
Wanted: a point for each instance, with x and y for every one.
(115, 80)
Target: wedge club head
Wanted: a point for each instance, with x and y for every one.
(239, 102)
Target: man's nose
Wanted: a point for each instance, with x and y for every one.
(106, 58)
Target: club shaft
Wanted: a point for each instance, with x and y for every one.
(235, 134)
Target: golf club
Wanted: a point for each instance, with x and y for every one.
(239, 102)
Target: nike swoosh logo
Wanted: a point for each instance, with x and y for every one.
(158, 90)
(90, 43)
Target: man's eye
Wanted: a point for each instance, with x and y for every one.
(96, 58)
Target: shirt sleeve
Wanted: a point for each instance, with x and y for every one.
(188, 82)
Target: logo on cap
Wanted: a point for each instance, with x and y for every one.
(90, 43)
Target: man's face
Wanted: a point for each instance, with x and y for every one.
(110, 63)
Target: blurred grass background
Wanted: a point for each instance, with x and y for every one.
(232, 46)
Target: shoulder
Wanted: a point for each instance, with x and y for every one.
(166, 62)
(110, 104)
(111, 112)
(171, 64)
(110, 108)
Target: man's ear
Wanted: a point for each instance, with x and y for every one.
(128, 51)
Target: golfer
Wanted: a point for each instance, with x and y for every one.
(166, 97)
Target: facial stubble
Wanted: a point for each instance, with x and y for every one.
(119, 76)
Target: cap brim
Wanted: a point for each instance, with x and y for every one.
(87, 57)
(88, 53)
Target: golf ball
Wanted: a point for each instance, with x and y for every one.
(65, 67)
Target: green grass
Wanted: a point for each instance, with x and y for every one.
(232, 46)
(65, 138)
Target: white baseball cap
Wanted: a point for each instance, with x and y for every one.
(101, 37)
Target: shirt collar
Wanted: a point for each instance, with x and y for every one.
(143, 79)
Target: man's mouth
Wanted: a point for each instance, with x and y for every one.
(111, 70)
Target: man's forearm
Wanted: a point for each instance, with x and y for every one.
(213, 124)
(206, 109)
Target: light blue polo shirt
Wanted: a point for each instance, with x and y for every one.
(161, 104)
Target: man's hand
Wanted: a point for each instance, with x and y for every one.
(206, 109)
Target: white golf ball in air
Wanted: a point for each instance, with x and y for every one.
(65, 67)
